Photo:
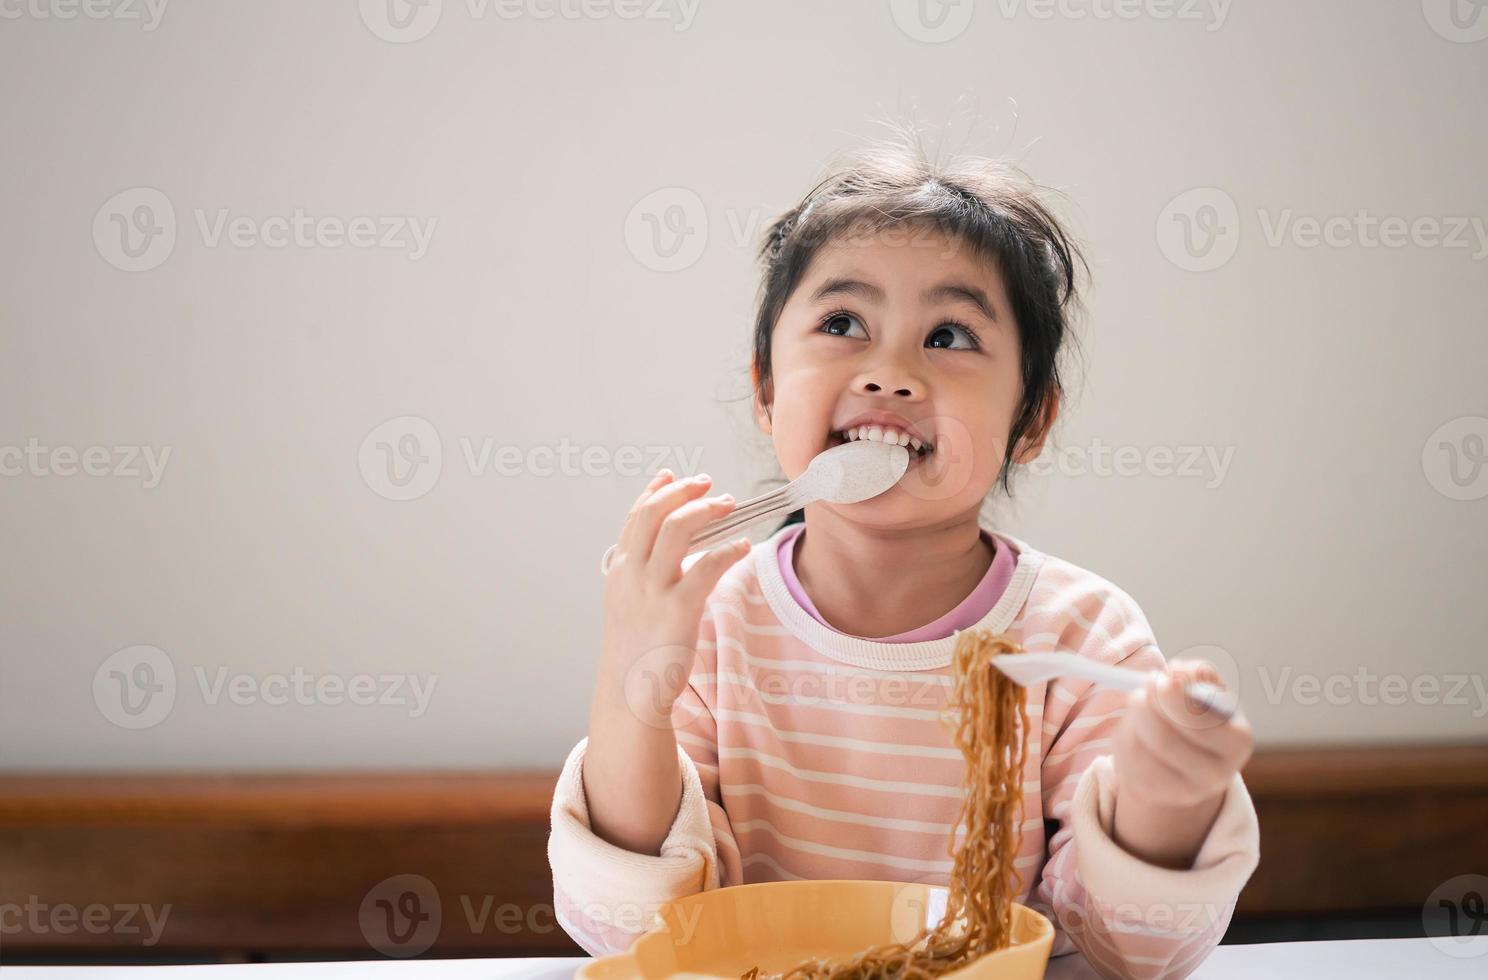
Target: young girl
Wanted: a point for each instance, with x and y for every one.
(774, 712)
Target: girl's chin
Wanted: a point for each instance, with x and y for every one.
(926, 486)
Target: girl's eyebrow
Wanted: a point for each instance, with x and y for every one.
(845, 286)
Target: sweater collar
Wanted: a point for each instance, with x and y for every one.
(873, 655)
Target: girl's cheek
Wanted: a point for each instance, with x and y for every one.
(804, 401)
(794, 456)
(794, 445)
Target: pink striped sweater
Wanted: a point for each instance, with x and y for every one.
(810, 753)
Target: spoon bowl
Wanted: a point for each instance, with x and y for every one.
(855, 471)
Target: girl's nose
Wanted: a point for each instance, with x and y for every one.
(892, 380)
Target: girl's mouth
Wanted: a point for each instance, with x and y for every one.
(917, 450)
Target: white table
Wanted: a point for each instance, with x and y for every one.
(1382, 958)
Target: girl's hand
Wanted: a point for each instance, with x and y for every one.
(1174, 761)
(651, 609)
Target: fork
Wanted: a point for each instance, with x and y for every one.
(1028, 669)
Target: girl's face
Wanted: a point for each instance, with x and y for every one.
(910, 324)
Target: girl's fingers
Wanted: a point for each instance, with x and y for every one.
(1185, 721)
(1146, 737)
(623, 540)
(1192, 671)
(704, 574)
(662, 476)
(1180, 762)
(677, 530)
(639, 534)
(1187, 715)
(1155, 730)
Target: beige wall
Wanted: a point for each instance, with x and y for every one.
(537, 313)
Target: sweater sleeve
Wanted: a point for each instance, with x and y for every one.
(1129, 918)
(605, 896)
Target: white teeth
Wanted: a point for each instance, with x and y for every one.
(879, 434)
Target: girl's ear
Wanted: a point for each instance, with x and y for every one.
(1033, 442)
(761, 410)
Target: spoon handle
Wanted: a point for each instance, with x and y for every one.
(1126, 679)
(769, 504)
(725, 527)
(1041, 667)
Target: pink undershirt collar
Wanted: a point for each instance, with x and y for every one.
(968, 612)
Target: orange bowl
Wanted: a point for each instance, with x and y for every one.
(774, 925)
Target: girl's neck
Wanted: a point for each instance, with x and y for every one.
(872, 583)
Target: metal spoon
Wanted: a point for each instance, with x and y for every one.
(844, 474)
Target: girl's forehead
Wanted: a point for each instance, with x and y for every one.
(898, 260)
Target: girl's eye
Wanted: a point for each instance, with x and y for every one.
(840, 324)
(945, 330)
(840, 320)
